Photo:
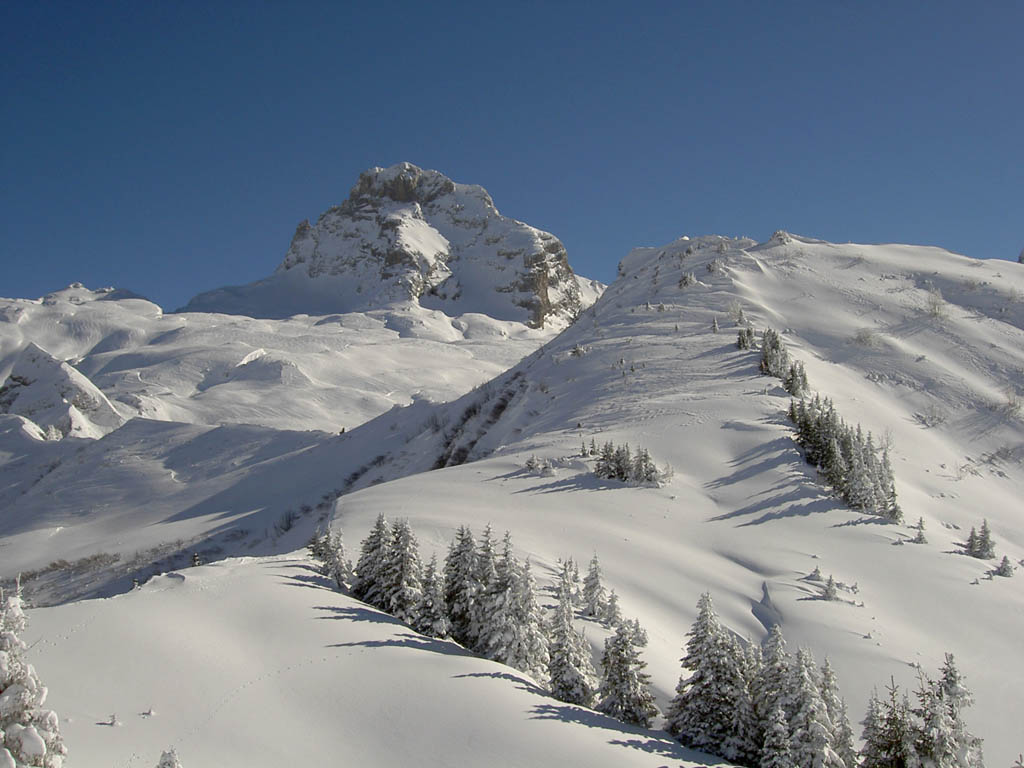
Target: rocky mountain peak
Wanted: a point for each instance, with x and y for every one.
(409, 234)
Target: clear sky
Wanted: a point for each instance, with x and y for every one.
(172, 147)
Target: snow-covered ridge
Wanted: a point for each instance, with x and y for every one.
(408, 234)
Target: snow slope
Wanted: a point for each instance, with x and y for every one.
(922, 347)
(270, 666)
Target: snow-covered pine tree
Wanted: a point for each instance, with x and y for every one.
(594, 599)
(31, 734)
(742, 340)
(460, 584)
(1005, 568)
(958, 697)
(934, 739)
(485, 570)
(986, 547)
(971, 547)
(317, 548)
(373, 554)
(830, 592)
(809, 725)
(169, 759)
(919, 537)
(336, 565)
(835, 708)
(496, 608)
(622, 463)
(570, 667)
(775, 746)
(714, 325)
(769, 689)
(644, 470)
(623, 693)
(888, 734)
(774, 357)
(432, 613)
(612, 614)
(402, 574)
(528, 651)
(605, 466)
(701, 714)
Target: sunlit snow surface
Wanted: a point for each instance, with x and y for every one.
(742, 518)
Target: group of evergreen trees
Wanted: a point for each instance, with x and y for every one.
(931, 734)
(846, 458)
(29, 734)
(758, 707)
(980, 544)
(619, 463)
(487, 601)
(763, 707)
(775, 360)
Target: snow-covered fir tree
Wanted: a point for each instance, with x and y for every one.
(528, 651)
(30, 734)
(624, 693)
(775, 743)
(402, 574)
(919, 537)
(774, 357)
(612, 614)
(497, 610)
(769, 687)
(986, 548)
(336, 565)
(570, 668)
(702, 713)
(1005, 568)
(594, 598)
(373, 554)
(432, 613)
(485, 571)
(830, 592)
(460, 584)
(888, 735)
(835, 708)
(169, 759)
(811, 731)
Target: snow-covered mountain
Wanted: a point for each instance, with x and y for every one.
(921, 347)
(411, 235)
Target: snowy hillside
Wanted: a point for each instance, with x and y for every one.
(923, 348)
(408, 234)
(305, 372)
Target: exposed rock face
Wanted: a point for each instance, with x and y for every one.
(405, 233)
(56, 397)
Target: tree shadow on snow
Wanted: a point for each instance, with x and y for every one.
(521, 682)
(409, 640)
(644, 740)
(583, 481)
(310, 579)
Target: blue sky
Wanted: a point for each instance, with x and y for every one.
(172, 147)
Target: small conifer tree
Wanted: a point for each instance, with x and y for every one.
(169, 759)
(1005, 567)
(432, 613)
(919, 537)
(624, 692)
(594, 600)
(373, 554)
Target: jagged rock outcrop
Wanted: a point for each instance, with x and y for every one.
(56, 397)
(408, 234)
